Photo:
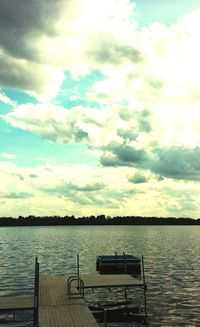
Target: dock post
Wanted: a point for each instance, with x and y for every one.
(78, 272)
(145, 287)
(125, 294)
(125, 263)
(105, 317)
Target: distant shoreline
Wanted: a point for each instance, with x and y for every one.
(100, 220)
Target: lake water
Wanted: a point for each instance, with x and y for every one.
(171, 256)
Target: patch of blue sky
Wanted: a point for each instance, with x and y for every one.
(30, 149)
(4, 130)
(163, 11)
(4, 107)
(19, 97)
(73, 91)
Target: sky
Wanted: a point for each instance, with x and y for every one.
(100, 108)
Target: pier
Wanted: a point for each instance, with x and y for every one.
(58, 301)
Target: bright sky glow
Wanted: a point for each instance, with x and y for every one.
(100, 107)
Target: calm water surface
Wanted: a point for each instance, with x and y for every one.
(171, 255)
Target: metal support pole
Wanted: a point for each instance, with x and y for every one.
(125, 294)
(125, 263)
(105, 317)
(77, 263)
(145, 287)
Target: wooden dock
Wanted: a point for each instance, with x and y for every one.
(58, 301)
(56, 309)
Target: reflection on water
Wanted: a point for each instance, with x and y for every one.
(171, 254)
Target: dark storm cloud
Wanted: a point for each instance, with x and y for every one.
(177, 162)
(22, 21)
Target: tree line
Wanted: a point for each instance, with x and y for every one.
(32, 220)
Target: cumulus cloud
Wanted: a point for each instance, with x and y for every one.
(6, 100)
(8, 155)
(40, 39)
(65, 188)
(32, 77)
(148, 98)
(178, 163)
(94, 190)
(50, 121)
(109, 51)
(24, 21)
(53, 189)
(138, 178)
(22, 27)
(15, 195)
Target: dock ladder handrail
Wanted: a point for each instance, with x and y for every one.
(79, 287)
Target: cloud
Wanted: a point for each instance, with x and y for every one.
(22, 21)
(15, 195)
(138, 178)
(50, 37)
(123, 155)
(10, 156)
(84, 190)
(148, 103)
(178, 163)
(65, 188)
(41, 39)
(6, 100)
(22, 27)
(50, 121)
(109, 51)
(29, 76)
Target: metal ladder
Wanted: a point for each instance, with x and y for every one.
(79, 288)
